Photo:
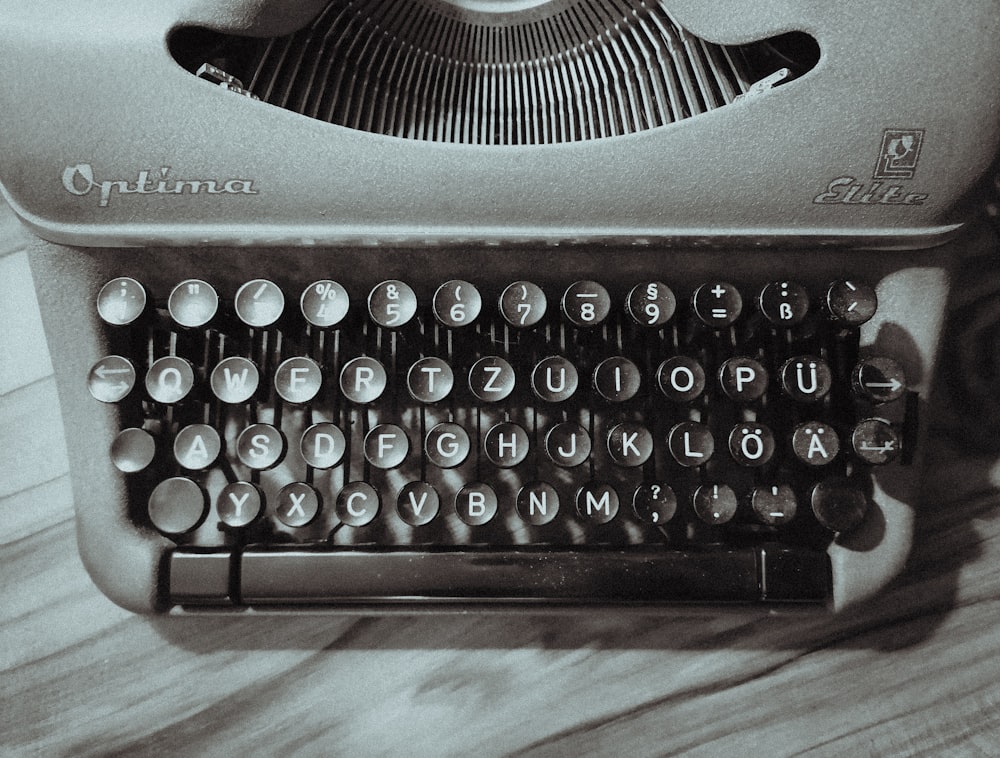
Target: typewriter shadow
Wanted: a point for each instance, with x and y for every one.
(959, 486)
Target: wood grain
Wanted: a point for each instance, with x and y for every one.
(915, 671)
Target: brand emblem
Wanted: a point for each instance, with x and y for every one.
(899, 154)
(897, 161)
(80, 180)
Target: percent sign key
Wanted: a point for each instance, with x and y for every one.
(324, 303)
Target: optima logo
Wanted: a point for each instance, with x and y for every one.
(80, 180)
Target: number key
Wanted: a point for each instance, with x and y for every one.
(457, 303)
(523, 304)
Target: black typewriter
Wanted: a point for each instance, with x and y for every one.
(453, 305)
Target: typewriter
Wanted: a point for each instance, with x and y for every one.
(453, 305)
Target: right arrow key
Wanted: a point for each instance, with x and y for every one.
(879, 379)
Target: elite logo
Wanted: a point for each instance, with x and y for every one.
(897, 161)
(899, 154)
(80, 180)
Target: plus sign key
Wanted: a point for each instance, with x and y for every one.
(717, 304)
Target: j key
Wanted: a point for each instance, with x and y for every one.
(357, 504)
(111, 379)
(392, 304)
(654, 504)
(567, 444)
(491, 379)
(537, 503)
(476, 504)
(691, 444)
(193, 303)
(259, 303)
(239, 504)
(457, 303)
(681, 379)
(169, 380)
(630, 444)
(815, 443)
(717, 304)
(260, 446)
(430, 380)
(322, 445)
(196, 447)
(177, 506)
(597, 503)
(523, 304)
(774, 505)
(554, 379)
(586, 303)
(297, 505)
(386, 446)
(617, 379)
(806, 378)
(784, 303)
(418, 503)
(715, 503)
(751, 444)
(851, 303)
(235, 380)
(879, 379)
(875, 441)
(133, 450)
(363, 380)
(121, 301)
(651, 304)
(298, 379)
(839, 504)
(447, 445)
(743, 379)
(324, 303)
(506, 444)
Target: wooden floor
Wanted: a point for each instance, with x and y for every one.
(917, 671)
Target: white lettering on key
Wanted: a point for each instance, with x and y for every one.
(814, 381)
(198, 447)
(744, 375)
(259, 445)
(816, 446)
(628, 442)
(363, 377)
(682, 371)
(350, 504)
(296, 504)
(323, 445)
(385, 443)
(295, 377)
(476, 504)
(572, 448)
(235, 382)
(688, 452)
(604, 504)
(494, 372)
(758, 445)
(414, 504)
(166, 384)
(238, 503)
(431, 371)
(539, 502)
(501, 445)
(450, 450)
(550, 384)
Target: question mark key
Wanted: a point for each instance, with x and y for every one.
(654, 504)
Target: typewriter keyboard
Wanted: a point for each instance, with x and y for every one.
(517, 443)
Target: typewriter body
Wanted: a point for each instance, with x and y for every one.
(469, 305)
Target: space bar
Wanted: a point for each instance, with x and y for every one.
(497, 576)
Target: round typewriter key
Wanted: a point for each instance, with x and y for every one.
(691, 444)
(193, 303)
(630, 444)
(506, 444)
(875, 441)
(132, 450)
(457, 303)
(430, 380)
(298, 379)
(386, 446)
(839, 504)
(363, 380)
(491, 379)
(879, 379)
(586, 303)
(196, 447)
(322, 445)
(357, 504)
(297, 505)
(814, 443)
(681, 379)
(418, 503)
(751, 444)
(121, 301)
(554, 379)
(235, 380)
(259, 303)
(522, 304)
(715, 503)
(239, 504)
(851, 303)
(260, 446)
(567, 444)
(774, 505)
(392, 304)
(537, 503)
(169, 379)
(476, 504)
(111, 379)
(177, 506)
(324, 303)
(597, 502)
(806, 378)
(784, 303)
(654, 504)
(651, 304)
(717, 304)
(617, 379)
(447, 445)
(743, 379)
